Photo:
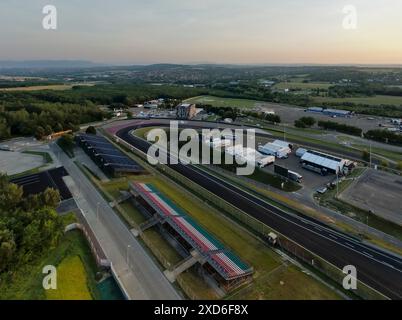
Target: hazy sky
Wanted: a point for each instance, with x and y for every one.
(216, 31)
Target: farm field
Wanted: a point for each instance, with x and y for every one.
(57, 87)
(376, 100)
(302, 85)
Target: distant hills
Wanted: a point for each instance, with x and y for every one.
(47, 64)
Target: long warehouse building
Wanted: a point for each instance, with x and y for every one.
(322, 163)
(110, 159)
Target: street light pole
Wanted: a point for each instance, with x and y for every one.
(284, 132)
(128, 247)
(97, 211)
(370, 154)
(337, 182)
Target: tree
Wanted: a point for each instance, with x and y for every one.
(58, 127)
(10, 195)
(91, 130)
(305, 122)
(366, 155)
(4, 129)
(50, 198)
(399, 165)
(7, 247)
(273, 118)
(48, 130)
(300, 124)
(384, 163)
(39, 132)
(309, 121)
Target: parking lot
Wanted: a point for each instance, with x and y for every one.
(311, 180)
(379, 192)
(16, 162)
(290, 114)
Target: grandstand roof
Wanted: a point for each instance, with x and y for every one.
(228, 265)
(108, 154)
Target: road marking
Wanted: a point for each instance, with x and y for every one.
(367, 254)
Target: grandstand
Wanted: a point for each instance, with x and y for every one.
(217, 262)
(110, 159)
(38, 182)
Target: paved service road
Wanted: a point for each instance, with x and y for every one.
(139, 274)
(380, 270)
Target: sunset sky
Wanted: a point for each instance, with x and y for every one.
(207, 31)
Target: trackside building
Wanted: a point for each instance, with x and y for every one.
(322, 163)
(110, 159)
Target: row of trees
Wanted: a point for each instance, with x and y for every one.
(28, 225)
(384, 136)
(340, 127)
(45, 118)
(273, 118)
(305, 122)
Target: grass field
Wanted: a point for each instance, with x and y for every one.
(71, 281)
(375, 100)
(57, 87)
(224, 102)
(26, 282)
(302, 85)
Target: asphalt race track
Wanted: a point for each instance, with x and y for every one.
(378, 269)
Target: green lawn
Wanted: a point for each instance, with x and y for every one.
(224, 102)
(375, 100)
(26, 282)
(71, 281)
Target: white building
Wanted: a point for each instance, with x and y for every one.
(322, 162)
(278, 148)
(249, 155)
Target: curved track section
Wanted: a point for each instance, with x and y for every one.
(378, 269)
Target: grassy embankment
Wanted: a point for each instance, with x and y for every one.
(75, 279)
